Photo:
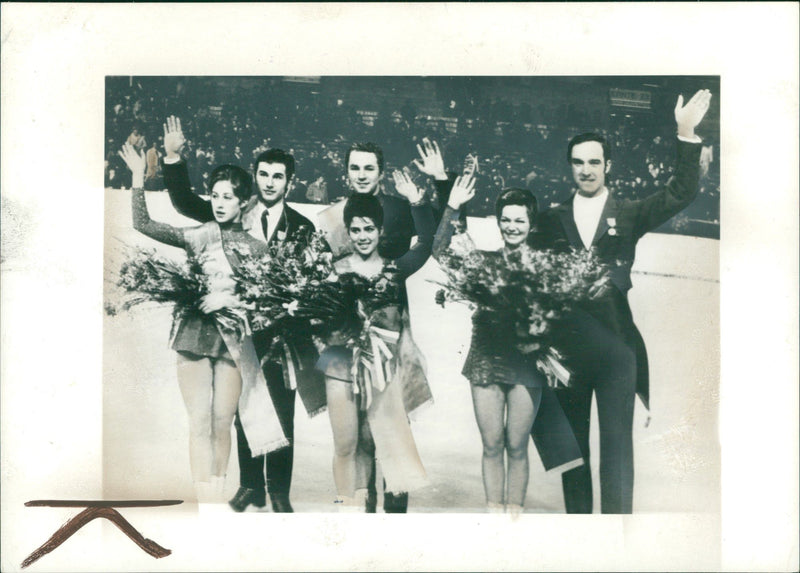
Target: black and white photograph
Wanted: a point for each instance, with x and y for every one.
(492, 299)
(429, 290)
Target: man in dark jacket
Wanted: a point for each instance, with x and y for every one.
(268, 218)
(600, 339)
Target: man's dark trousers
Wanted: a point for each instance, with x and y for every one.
(279, 462)
(604, 365)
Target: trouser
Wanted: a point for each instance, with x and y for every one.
(605, 366)
(392, 502)
(278, 463)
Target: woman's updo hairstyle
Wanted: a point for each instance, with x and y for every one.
(365, 206)
(517, 196)
(240, 180)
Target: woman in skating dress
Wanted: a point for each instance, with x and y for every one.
(506, 385)
(217, 369)
(364, 381)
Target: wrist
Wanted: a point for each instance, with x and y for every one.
(137, 181)
(440, 175)
(454, 206)
(172, 158)
(418, 203)
(690, 138)
(686, 131)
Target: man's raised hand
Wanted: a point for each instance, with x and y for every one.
(173, 138)
(463, 190)
(688, 116)
(430, 160)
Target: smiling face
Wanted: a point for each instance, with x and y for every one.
(589, 167)
(364, 234)
(224, 202)
(515, 225)
(272, 182)
(363, 172)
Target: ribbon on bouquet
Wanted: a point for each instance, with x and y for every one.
(375, 361)
(550, 365)
(287, 357)
(395, 448)
(260, 421)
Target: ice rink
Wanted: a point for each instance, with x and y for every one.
(675, 301)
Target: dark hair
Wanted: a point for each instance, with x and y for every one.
(583, 138)
(516, 196)
(239, 179)
(367, 147)
(365, 206)
(276, 155)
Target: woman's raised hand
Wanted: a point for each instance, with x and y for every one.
(135, 161)
(173, 138)
(463, 190)
(406, 187)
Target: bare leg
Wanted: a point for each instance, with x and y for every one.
(343, 413)
(490, 403)
(365, 463)
(227, 387)
(521, 414)
(195, 376)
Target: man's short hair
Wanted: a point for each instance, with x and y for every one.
(276, 155)
(517, 196)
(240, 180)
(364, 206)
(367, 147)
(590, 136)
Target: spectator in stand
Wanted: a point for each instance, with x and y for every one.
(318, 189)
(136, 139)
(152, 168)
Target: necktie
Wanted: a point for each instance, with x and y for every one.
(265, 225)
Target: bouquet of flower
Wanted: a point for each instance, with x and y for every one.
(145, 277)
(289, 282)
(530, 289)
(296, 281)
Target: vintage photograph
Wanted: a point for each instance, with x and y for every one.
(413, 294)
(399, 286)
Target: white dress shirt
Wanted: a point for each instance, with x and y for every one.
(587, 211)
(251, 219)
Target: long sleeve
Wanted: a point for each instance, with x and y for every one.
(398, 227)
(444, 233)
(176, 178)
(142, 222)
(424, 226)
(679, 192)
(443, 188)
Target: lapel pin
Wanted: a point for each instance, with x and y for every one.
(612, 222)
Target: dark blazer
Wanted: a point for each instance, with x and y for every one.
(398, 227)
(622, 224)
(292, 226)
(398, 224)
